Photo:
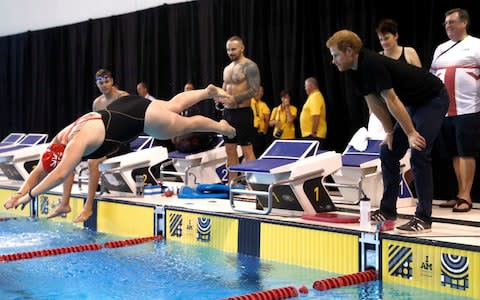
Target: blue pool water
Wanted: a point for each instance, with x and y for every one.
(154, 270)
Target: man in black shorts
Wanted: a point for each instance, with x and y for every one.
(241, 80)
(417, 100)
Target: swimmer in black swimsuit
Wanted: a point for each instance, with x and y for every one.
(97, 134)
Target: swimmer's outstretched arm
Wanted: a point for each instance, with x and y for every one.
(33, 179)
(35, 185)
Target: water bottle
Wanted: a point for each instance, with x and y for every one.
(365, 212)
(139, 184)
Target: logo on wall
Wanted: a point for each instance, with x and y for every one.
(204, 227)
(454, 271)
(44, 205)
(400, 261)
(175, 225)
(426, 268)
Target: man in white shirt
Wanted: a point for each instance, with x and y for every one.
(457, 63)
(142, 90)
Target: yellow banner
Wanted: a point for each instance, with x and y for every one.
(441, 269)
(202, 230)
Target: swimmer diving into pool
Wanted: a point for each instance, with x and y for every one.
(99, 134)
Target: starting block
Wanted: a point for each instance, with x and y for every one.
(28, 140)
(287, 179)
(361, 174)
(12, 139)
(118, 173)
(203, 167)
(17, 164)
(82, 172)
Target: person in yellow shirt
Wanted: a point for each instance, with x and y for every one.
(261, 118)
(282, 118)
(313, 118)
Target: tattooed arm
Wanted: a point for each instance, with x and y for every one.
(252, 73)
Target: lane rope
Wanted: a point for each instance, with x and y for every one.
(131, 242)
(49, 252)
(320, 285)
(273, 294)
(76, 248)
(2, 219)
(345, 280)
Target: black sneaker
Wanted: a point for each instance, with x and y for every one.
(414, 226)
(378, 217)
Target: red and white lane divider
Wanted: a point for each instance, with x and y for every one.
(131, 242)
(76, 248)
(321, 285)
(273, 294)
(345, 280)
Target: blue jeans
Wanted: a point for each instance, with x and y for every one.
(427, 119)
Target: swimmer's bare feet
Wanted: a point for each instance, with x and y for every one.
(227, 129)
(59, 211)
(83, 216)
(219, 94)
(214, 91)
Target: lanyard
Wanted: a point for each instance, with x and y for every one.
(447, 50)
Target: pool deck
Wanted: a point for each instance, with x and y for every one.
(448, 226)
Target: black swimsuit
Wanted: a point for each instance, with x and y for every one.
(401, 57)
(124, 120)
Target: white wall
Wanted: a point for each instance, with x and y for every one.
(18, 16)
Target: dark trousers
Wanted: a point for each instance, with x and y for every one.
(427, 120)
(259, 144)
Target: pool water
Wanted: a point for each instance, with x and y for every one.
(154, 270)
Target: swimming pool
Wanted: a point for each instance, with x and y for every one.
(154, 270)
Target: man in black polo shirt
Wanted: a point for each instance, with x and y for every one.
(418, 102)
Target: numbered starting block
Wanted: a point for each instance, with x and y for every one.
(287, 179)
(206, 167)
(118, 173)
(361, 175)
